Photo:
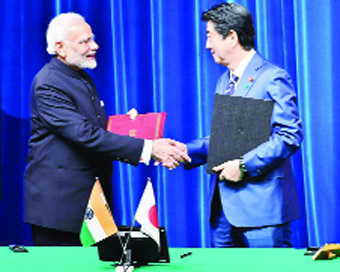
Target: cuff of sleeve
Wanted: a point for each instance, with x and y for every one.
(146, 153)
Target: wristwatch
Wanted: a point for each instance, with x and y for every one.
(243, 166)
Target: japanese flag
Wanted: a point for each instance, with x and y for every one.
(146, 213)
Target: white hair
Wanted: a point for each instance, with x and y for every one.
(57, 29)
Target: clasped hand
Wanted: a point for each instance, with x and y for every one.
(170, 153)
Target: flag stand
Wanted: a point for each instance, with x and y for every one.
(125, 268)
(125, 264)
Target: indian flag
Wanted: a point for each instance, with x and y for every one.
(98, 222)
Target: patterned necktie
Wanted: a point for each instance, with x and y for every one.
(231, 86)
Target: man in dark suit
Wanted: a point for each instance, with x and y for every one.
(69, 145)
(253, 199)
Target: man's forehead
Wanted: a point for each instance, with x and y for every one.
(79, 30)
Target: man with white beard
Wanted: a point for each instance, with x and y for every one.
(69, 145)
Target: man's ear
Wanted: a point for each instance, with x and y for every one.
(233, 35)
(60, 49)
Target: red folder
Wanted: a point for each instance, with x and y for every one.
(145, 126)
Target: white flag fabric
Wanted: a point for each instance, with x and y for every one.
(146, 213)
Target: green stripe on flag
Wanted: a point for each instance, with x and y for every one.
(85, 236)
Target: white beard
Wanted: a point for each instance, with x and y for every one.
(81, 62)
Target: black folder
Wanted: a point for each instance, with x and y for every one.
(239, 124)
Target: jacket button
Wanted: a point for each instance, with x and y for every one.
(240, 130)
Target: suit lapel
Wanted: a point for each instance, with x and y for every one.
(250, 75)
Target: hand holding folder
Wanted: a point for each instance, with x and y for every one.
(239, 124)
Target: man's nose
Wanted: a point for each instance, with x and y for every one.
(94, 45)
(208, 44)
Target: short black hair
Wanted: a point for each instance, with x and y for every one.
(231, 16)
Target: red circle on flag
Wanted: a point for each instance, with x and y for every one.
(153, 216)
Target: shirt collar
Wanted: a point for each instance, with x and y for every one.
(244, 63)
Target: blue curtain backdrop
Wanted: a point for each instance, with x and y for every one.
(152, 57)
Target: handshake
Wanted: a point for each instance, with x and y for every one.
(170, 153)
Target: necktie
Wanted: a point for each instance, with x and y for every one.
(231, 86)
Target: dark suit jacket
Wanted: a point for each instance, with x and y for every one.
(69, 147)
(267, 194)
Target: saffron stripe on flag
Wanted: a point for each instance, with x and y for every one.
(101, 211)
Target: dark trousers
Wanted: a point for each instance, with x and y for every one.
(50, 237)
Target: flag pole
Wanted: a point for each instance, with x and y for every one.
(125, 263)
(126, 254)
(131, 228)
